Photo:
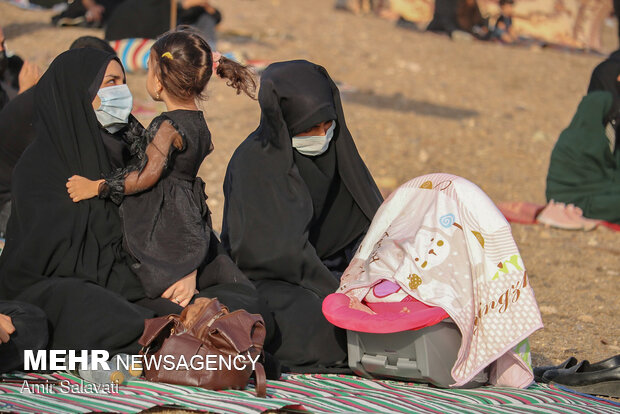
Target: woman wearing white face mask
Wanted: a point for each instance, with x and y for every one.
(299, 199)
(314, 141)
(64, 257)
(18, 131)
(113, 104)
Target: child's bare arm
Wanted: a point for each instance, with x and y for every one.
(141, 178)
(80, 188)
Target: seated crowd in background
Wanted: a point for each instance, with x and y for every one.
(454, 17)
(125, 19)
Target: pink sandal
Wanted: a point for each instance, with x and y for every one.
(567, 217)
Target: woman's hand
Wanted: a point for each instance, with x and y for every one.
(81, 188)
(182, 291)
(6, 328)
(28, 76)
(94, 11)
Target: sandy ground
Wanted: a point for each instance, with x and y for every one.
(421, 103)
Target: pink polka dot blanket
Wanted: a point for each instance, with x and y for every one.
(440, 240)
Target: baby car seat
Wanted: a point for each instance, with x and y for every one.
(406, 340)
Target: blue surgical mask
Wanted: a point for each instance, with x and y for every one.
(116, 105)
(314, 145)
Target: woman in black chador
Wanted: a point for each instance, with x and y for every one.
(299, 200)
(166, 222)
(67, 258)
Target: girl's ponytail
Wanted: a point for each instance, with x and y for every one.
(184, 63)
(238, 76)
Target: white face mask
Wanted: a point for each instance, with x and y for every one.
(116, 105)
(314, 145)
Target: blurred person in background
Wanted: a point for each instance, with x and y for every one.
(457, 16)
(86, 13)
(150, 18)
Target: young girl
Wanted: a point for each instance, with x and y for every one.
(166, 222)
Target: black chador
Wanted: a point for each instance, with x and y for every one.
(292, 222)
(65, 257)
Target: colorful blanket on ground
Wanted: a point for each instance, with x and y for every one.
(442, 241)
(133, 53)
(317, 393)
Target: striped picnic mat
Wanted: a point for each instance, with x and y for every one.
(317, 393)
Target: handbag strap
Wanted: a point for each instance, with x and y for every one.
(261, 380)
(155, 327)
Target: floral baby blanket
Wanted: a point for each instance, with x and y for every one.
(443, 242)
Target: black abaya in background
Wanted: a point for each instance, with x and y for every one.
(291, 222)
(62, 256)
(151, 18)
(444, 17)
(451, 15)
(139, 19)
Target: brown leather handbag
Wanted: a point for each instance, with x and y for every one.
(206, 346)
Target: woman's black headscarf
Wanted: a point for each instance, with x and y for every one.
(49, 234)
(273, 194)
(605, 78)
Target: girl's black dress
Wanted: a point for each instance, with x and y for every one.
(166, 227)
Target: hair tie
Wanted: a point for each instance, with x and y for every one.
(216, 56)
(167, 55)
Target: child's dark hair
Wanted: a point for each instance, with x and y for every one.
(184, 64)
(503, 2)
